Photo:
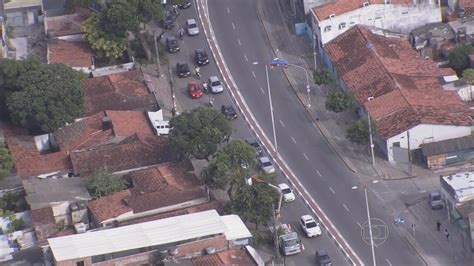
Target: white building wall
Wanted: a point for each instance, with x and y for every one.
(397, 18)
(425, 134)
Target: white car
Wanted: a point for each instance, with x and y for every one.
(310, 226)
(266, 165)
(192, 27)
(288, 194)
(215, 85)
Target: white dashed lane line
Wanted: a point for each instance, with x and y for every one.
(228, 11)
(253, 74)
(282, 124)
(245, 57)
(332, 190)
(306, 157)
(233, 25)
(238, 41)
(263, 92)
(293, 139)
(345, 207)
(318, 173)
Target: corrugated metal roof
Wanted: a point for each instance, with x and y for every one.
(135, 236)
(236, 229)
(449, 145)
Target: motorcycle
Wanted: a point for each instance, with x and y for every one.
(197, 72)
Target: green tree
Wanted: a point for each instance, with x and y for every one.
(234, 161)
(101, 183)
(6, 162)
(105, 45)
(468, 76)
(50, 96)
(339, 101)
(119, 17)
(323, 77)
(198, 133)
(149, 9)
(254, 203)
(459, 58)
(358, 132)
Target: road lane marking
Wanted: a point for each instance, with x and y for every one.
(375, 181)
(228, 11)
(359, 225)
(281, 122)
(263, 92)
(233, 25)
(354, 187)
(319, 173)
(245, 57)
(332, 190)
(238, 41)
(389, 263)
(293, 139)
(345, 207)
(304, 154)
(253, 74)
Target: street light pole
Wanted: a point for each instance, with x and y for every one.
(374, 262)
(308, 87)
(314, 52)
(370, 134)
(271, 110)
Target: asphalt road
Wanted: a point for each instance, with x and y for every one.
(291, 211)
(242, 42)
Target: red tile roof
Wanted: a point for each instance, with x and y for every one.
(44, 223)
(68, 24)
(130, 122)
(28, 160)
(111, 206)
(405, 86)
(121, 91)
(225, 258)
(122, 154)
(70, 53)
(339, 7)
(466, 3)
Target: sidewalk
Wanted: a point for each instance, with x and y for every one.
(432, 246)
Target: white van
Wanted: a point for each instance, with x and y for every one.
(162, 127)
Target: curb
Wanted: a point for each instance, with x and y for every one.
(332, 145)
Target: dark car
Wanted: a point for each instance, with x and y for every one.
(168, 22)
(254, 143)
(172, 45)
(185, 5)
(229, 112)
(322, 258)
(201, 57)
(183, 70)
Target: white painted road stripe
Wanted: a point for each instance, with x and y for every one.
(245, 57)
(345, 207)
(238, 41)
(281, 122)
(233, 25)
(332, 190)
(228, 11)
(293, 139)
(304, 154)
(261, 89)
(389, 263)
(319, 173)
(354, 187)
(253, 74)
(359, 225)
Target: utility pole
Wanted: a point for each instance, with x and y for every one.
(157, 53)
(370, 134)
(410, 169)
(173, 96)
(374, 262)
(314, 53)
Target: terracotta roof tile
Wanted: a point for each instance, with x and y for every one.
(121, 91)
(122, 154)
(225, 258)
(111, 206)
(70, 53)
(405, 87)
(466, 3)
(130, 122)
(67, 24)
(43, 223)
(339, 7)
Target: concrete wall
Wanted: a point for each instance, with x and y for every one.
(401, 19)
(425, 134)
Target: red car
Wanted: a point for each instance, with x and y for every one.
(195, 89)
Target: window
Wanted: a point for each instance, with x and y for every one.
(396, 144)
(327, 28)
(80, 263)
(342, 25)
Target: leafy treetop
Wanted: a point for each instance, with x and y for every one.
(101, 184)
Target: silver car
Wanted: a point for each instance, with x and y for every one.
(266, 165)
(215, 85)
(436, 201)
(192, 27)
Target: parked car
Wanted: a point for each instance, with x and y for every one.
(192, 27)
(310, 226)
(183, 70)
(195, 90)
(172, 44)
(288, 194)
(201, 58)
(254, 143)
(277, 62)
(436, 201)
(168, 21)
(185, 4)
(229, 112)
(215, 85)
(322, 258)
(266, 165)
